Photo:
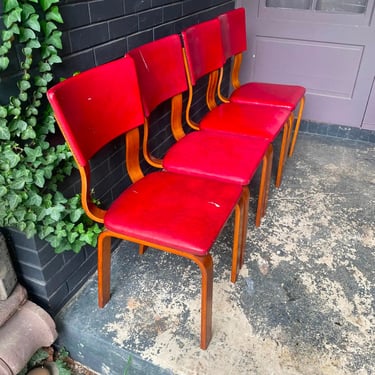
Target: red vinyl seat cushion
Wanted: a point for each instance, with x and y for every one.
(286, 96)
(178, 211)
(225, 157)
(247, 119)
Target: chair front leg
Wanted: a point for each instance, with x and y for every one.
(269, 172)
(239, 235)
(264, 185)
(205, 264)
(104, 268)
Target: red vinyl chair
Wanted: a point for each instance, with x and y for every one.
(204, 57)
(171, 212)
(221, 156)
(233, 28)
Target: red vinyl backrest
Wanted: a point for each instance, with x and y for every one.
(233, 29)
(203, 47)
(161, 71)
(96, 106)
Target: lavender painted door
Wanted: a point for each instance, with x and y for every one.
(328, 46)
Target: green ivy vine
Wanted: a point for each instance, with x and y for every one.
(31, 167)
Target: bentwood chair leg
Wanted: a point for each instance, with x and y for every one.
(206, 266)
(264, 186)
(104, 268)
(269, 172)
(245, 213)
(239, 235)
(142, 249)
(296, 129)
(283, 153)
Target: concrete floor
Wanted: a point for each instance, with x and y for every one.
(303, 304)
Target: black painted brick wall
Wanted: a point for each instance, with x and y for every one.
(95, 32)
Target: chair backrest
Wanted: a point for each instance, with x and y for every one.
(96, 106)
(233, 30)
(161, 71)
(203, 48)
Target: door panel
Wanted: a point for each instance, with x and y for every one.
(325, 45)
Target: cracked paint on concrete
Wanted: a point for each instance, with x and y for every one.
(304, 300)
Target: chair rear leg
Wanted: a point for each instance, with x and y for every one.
(283, 153)
(104, 268)
(142, 248)
(296, 129)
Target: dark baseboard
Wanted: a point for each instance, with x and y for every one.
(338, 131)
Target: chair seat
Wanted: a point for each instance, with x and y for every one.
(176, 211)
(286, 96)
(247, 119)
(226, 157)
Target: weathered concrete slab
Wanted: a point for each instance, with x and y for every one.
(303, 304)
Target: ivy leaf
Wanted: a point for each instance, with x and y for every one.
(7, 35)
(17, 125)
(27, 10)
(30, 216)
(3, 50)
(23, 85)
(34, 199)
(12, 17)
(48, 77)
(27, 51)
(39, 178)
(40, 82)
(33, 43)
(9, 5)
(33, 22)
(45, 231)
(44, 67)
(19, 184)
(32, 154)
(4, 62)
(3, 190)
(48, 28)
(45, 4)
(12, 158)
(13, 199)
(23, 96)
(72, 236)
(30, 229)
(54, 59)
(76, 215)
(26, 34)
(3, 112)
(4, 131)
(55, 39)
(54, 14)
(29, 133)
